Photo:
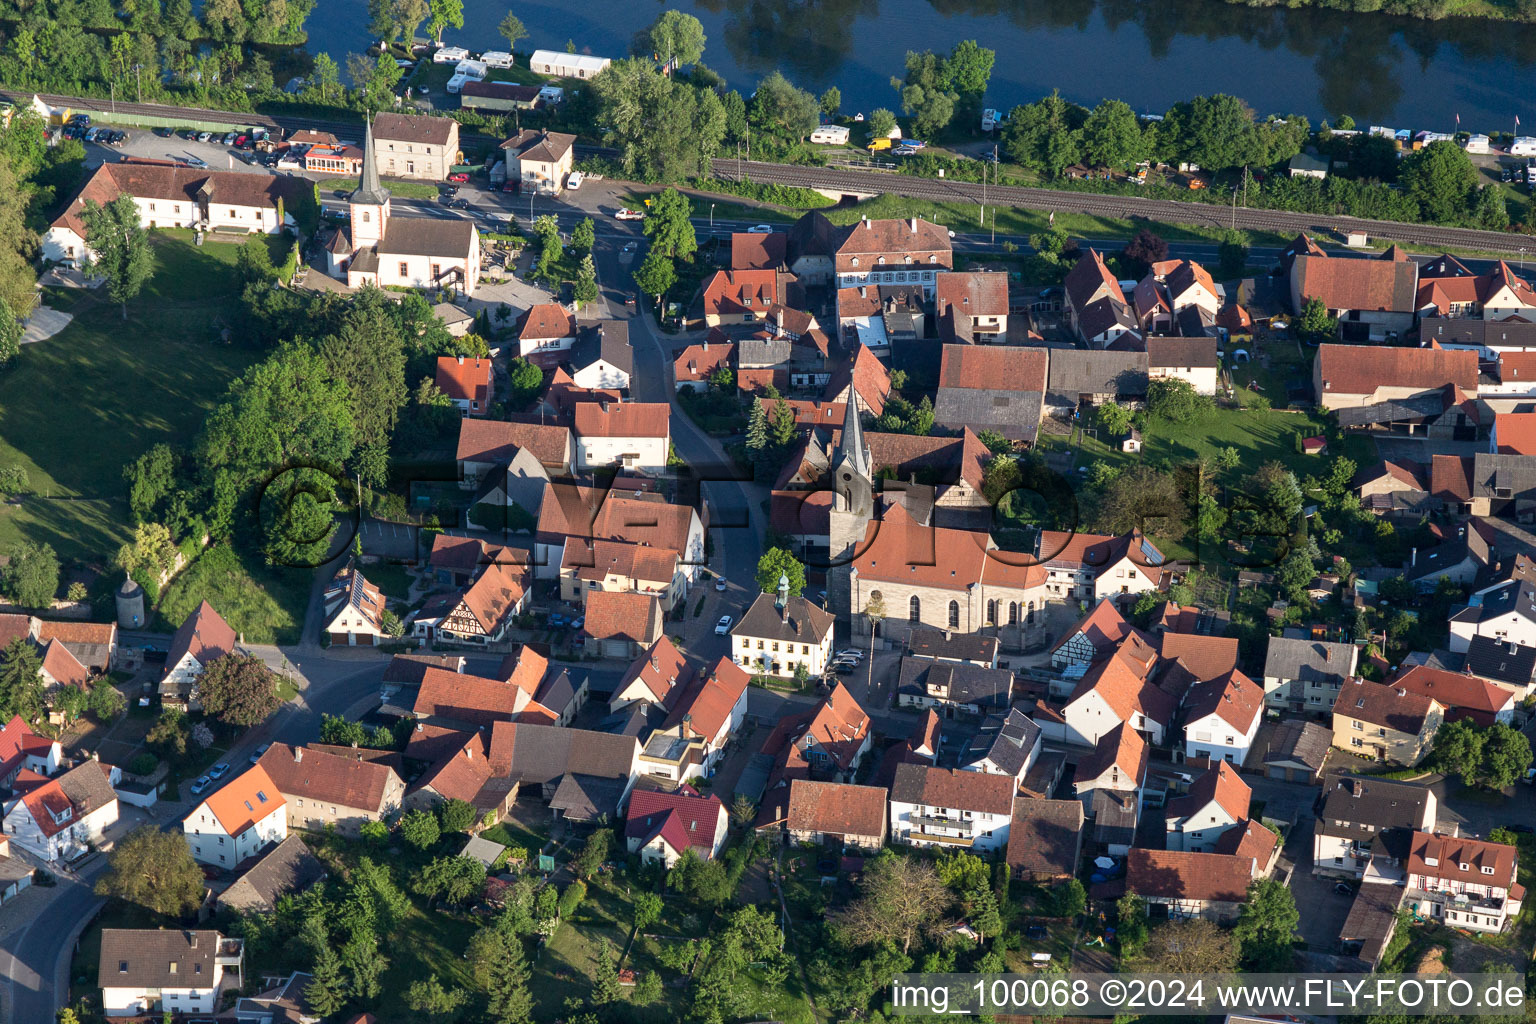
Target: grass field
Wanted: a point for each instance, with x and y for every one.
(82, 404)
(264, 604)
(397, 188)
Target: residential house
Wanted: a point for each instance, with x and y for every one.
(171, 196)
(462, 700)
(415, 146)
(1362, 818)
(1222, 716)
(1373, 300)
(237, 820)
(486, 608)
(1080, 380)
(21, 748)
(1385, 723)
(1118, 764)
(1213, 886)
(1502, 662)
(1306, 675)
(602, 357)
(811, 249)
(586, 566)
(1464, 883)
(952, 687)
(653, 676)
(972, 307)
(1308, 165)
(1170, 288)
(1460, 558)
(759, 250)
(883, 317)
(540, 160)
(948, 808)
(634, 436)
(60, 668)
(1045, 841)
(700, 721)
(628, 510)
(323, 790)
(1500, 485)
(959, 648)
(203, 637)
(466, 382)
(1119, 689)
(1400, 486)
(836, 813)
(1297, 752)
(621, 624)
(490, 446)
(828, 741)
(459, 768)
(545, 334)
(171, 970)
(584, 775)
(1192, 360)
(661, 827)
(879, 252)
(1095, 304)
(1351, 375)
(1006, 744)
(287, 869)
(1496, 295)
(997, 388)
(1461, 694)
(863, 375)
(1513, 433)
(354, 609)
(783, 636)
(456, 561)
(93, 644)
(62, 817)
(1089, 566)
(1093, 637)
(693, 365)
(738, 296)
(1217, 801)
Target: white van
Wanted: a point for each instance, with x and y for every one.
(830, 135)
(497, 58)
(573, 181)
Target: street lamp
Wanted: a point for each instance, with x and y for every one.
(712, 220)
(1522, 257)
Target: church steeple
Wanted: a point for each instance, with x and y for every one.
(852, 466)
(852, 448)
(369, 206)
(369, 190)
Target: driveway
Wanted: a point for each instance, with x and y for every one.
(1322, 910)
(1283, 801)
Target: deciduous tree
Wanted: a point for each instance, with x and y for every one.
(669, 227)
(1266, 927)
(775, 564)
(1112, 136)
(119, 247)
(1440, 177)
(154, 870)
(1045, 135)
(32, 577)
(898, 898)
(420, 829)
(457, 816)
(676, 38)
(444, 14)
(655, 275)
(238, 690)
(1190, 946)
(511, 29)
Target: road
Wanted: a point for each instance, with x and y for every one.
(34, 959)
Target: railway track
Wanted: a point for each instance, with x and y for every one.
(1126, 207)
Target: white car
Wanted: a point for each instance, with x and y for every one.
(760, 229)
(723, 626)
(574, 181)
(720, 583)
(850, 653)
(627, 214)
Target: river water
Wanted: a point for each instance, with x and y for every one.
(1405, 73)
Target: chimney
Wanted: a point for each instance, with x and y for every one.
(469, 751)
(655, 663)
(1327, 653)
(298, 754)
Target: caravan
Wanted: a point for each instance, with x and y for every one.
(497, 58)
(830, 135)
(449, 55)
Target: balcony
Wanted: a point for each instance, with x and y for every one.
(929, 837)
(1461, 901)
(933, 821)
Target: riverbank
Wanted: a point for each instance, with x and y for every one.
(1429, 10)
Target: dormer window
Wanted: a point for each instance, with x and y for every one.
(1487, 870)
(881, 261)
(909, 259)
(1464, 867)
(854, 261)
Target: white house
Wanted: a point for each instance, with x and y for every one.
(177, 971)
(699, 723)
(1505, 612)
(1091, 567)
(354, 609)
(169, 195)
(20, 748)
(1117, 690)
(950, 809)
(1356, 811)
(1118, 764)
(57, 819)
(661, 826)
(1004, 745)
(203, 637)
(652, 676)
(1217, 801)
(1222, 716)
(777, 637)
(634, 436)
(601, 357)
(545, 333)
(1192, 360)
(238, 820)
(1465, 883)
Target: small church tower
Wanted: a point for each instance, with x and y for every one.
(369, 205)
(853, 506)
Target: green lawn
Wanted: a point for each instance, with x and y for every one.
(392, 579)
(82, 404)
(397, 188)
(264, 604)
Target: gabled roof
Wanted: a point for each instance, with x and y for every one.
(539, 145)
(616, 614)
(1181, 352)
(494, 593)
(465, 380)
(836, 808)
(80, 791)
(606, 340)
(894, 239)
(684, 818)
(1220, 783)
(1087, 277)
(349, 589)
(288, 867)
(1004, 739)
(1516, 432)
(496, 441)
(244, 800)
(328, 778)
(1103, 627)
(1045, 837)
(800, 621)
(972, 293)
(537, 754)
(708, 702)
(662, 667)
(697, 362)
(64, 668)
(204, 635)
(623, 419)
(1206, 657)
(1404, 471)
(1123, 748)
(600, 558)
(763, 251)
(868, 378)
(1355, 284)
(1123, 681)
(546, 320)
(18, 742)
(965, 683)
(1460, 859)
(1360, 370)
(1380, 803)
(1233, 697)
(477, 700)
(415, 128)
(1306, 743)
(1251, 841)
(1173, 874)
(1461, 694)
(157, 958)
(733, 292)
(1388, 706)
(1076, 372)
(952, 788)
(1491, 658)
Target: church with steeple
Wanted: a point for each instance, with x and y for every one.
(381, 248)
(852, 477)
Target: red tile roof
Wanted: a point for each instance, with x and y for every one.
(993, 368)
(18, 742)
(972, 294)
(465, 380)
(163, 180)
(1360, 370)
(733, 292)
(1344, 283)
(64, 667)
(102, 633)
(1516, 432)
(544, 321)
(494, 594)
(524, 669)
(1172, 874)
(613, 614)
(1462, 695)
(1449, 854)
(1388, 706)
(1220, 783)
(623, 419)
(204, 635)
(1450, 477)
(1233, 697)
(244, 800)
(684, 819)
(1251, 840)
(697, 362)
(1123, 748)
(1205, 656)
(661, 668)
(867, 376)
(496, 441)
(83, 790)
(836, 808)
(762, 251)
(1097, 552)
(953, 789)
(895, 240)
(708, 701)
(477, 700)
(1104, 627)
(328, 778)
(602, 558)
(1121, 679)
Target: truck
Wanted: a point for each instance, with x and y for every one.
(876, 145)
(498, 174)
(989, 119)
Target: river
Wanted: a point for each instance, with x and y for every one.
(1405, 73)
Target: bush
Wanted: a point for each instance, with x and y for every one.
(143, 764)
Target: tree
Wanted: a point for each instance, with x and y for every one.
(785, 429)
(1506, 756)
(593, 852)
(743, 809)
(648, 988)
(1192, 946)
(1130, 924)
(1295, 574)
(881, 123)
(327, 990)
(154, 870)
(669, 227)
(757, 429)
(898, 898)
(783, 110)
(664, 128)
(676, 39)
(874, 611)
(830, 101)
(777, 563)
(21, 688)
(508, 1000)
(169, 735)
(119, 247)
(585, 290)
(1112, 136)
(455, 879)
(1044, 135)
(1213, 132)
(32, 577)
(511, 29)
(1266, 926)
(1232, 256)
(647, 909)
(326, 76)
(1069, 899)
(1001, 476)
(1440, 178)
(605, 974)
(419, 828)
(1176, 400)
(926, 92)
(1145, 249)
(982, 912)
(1143, 498)
(962, 871)
(1314, 323)
(1114, 420)
(655, 275)
(444, 13)
(704, 881)
(430, 998)
(238, 690)
(11, 330)
(457, 816)
(153, 552)
(583, 237)
(382, 77)
(524, 380)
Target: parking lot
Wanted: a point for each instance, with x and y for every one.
(144, 143)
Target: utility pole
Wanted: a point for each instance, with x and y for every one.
(113, 85)
(994, 181)
(138, 83)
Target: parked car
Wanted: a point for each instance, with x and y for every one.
(218, 771)
(850, 652)
(760, 229)
(723, 626)
(79, 118)
(205, 136)
(628, 214)
(256, 754)
(510, 185)
(845, 668)
(201, 785)
(164, 132)
(720, 583)
(195, 161)
(460, 204)
(230, 137)
(460, 177)
(573, 182)
(1343, 889)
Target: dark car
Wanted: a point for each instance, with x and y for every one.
(846, 668)
(1035, 931)
(1342, 889)
(164, 132)
(460, 204)
(341, 193)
